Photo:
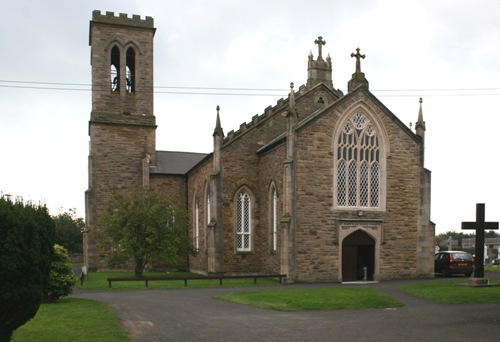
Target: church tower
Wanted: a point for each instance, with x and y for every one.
(122, 123)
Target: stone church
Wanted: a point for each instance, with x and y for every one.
(322, 186)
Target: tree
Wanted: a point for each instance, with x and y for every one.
(69, 229)
(26, 248)
(146, 227)
(62, 278)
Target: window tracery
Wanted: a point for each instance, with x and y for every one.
(358, 164)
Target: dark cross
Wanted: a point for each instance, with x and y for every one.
(320, 43)
(358, 56)
(480, 226)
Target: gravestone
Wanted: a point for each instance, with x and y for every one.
(480, 226)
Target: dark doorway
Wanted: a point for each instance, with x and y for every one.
(358, 251)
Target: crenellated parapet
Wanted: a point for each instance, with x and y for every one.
(256, 120)
(122, 19)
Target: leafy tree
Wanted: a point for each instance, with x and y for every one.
(69, 229)
(146, 227)
(62, 278)
(26, 248)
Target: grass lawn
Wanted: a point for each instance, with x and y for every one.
(75, 320)
(491, 268)
(314, 299)
(451, 293)
(97, 281)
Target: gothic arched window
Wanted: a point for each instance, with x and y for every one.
(243, 222)
(115, 69)
(196, 225)
(358, 164)
(273, 217)
(209, 207)
(130, 70)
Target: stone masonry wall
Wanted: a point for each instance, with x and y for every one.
(122, 125)
(318, 253)
(115, 164)
(198, 183)
(107, 31)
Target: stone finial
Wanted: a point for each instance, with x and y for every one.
(291, 103)
(358, 62)
(420, 124)
(320, 43)
(218, 128)
(358, 78)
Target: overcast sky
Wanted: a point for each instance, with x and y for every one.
(446, 51)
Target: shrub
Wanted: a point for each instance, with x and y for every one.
(26, 247)
(69, 229)
(62, 278)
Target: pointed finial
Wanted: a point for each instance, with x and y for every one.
(420, 124)
(292, 97)
(218, 128)
(420, 115)
(310, 56)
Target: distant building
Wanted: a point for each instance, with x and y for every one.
(491, 243)
(320, 186)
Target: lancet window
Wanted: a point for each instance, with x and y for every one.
(273, 214)
(196, 225)
(130, 70)
(115, 69)
(243, 222)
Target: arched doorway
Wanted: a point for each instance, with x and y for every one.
(358, 251)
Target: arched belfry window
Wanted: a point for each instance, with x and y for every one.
(243, 222)
(115, 69)
(130, 70)
(358, 164)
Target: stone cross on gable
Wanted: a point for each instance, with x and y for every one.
(480, 226)
(320, 43)
(358, 56)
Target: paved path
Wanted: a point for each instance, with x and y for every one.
(194, 315)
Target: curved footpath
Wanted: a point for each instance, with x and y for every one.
(194, 315)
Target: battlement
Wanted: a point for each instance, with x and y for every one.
(256, 119)
(122, 19)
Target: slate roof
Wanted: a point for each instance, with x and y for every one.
(175, 163)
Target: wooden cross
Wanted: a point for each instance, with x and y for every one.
(480, 226)
(358, 56)
(320, 43)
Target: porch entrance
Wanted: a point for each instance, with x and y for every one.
(358, 251)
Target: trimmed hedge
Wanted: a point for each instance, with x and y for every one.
(26, 249)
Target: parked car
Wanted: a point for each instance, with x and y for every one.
(453, 262)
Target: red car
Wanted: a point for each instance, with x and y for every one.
(453, 262)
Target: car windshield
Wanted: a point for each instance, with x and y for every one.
(461, 256)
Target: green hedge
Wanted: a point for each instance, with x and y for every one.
(26, 248)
